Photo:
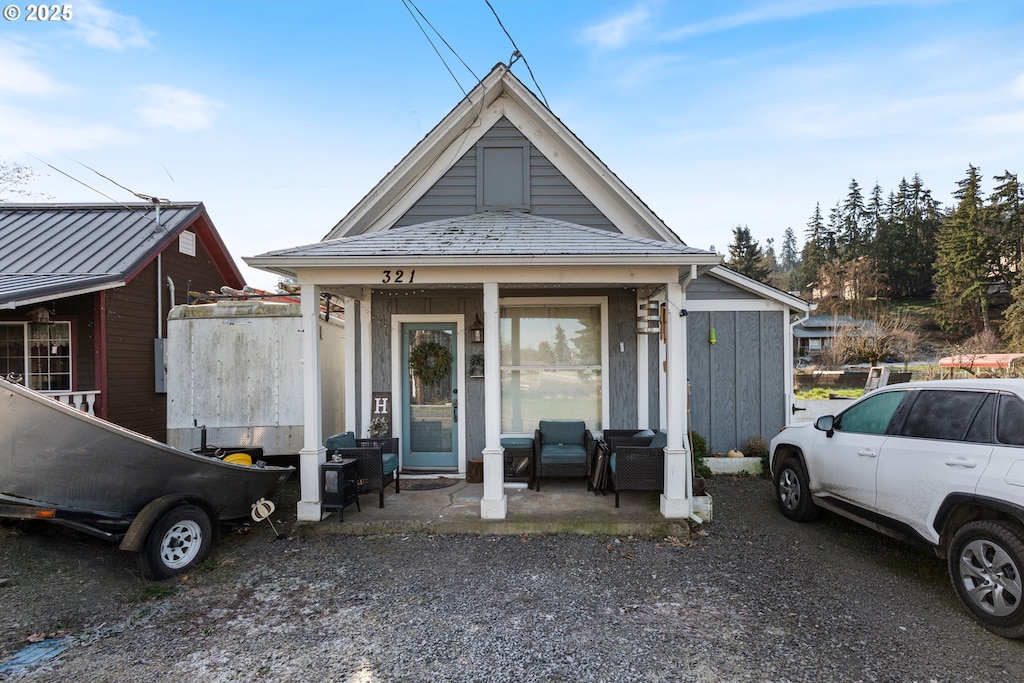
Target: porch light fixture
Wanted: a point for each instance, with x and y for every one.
(477, 330)
(649, 320)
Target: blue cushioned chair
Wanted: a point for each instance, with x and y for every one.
(562, 448)
(376, 460)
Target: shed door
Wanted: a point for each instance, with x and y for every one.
(429, 396)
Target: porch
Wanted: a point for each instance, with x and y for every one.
(83, 400)
(563, 506)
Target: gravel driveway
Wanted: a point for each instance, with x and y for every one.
(752, 597)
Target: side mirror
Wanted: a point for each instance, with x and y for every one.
(827, 424)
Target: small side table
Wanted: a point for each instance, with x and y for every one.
(339, 486)
(518, 459)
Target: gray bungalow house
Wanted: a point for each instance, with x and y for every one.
(505, 263)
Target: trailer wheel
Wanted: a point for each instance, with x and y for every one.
(179, 540)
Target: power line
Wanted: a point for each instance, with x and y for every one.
(410, 6)
(517, 52)
(103, 194)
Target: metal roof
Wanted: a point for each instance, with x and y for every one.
(49, 250)
(496, 234)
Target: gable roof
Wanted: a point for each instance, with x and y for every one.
(826, 326)
(50, 251)
(489, 238)
(500, 94)
(761, 289)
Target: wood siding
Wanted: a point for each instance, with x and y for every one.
(737, 384)
(622, 380)
(710, 288)
(552, 195)
(130, 397)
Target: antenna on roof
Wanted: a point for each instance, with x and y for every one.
(154, 200)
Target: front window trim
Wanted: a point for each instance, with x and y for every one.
(569, 302)
(36, 376)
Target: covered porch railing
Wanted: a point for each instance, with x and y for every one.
(80, 400)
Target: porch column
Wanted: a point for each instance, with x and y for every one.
(675, 501)
(313, 452)
(352, 331)
(494, 504)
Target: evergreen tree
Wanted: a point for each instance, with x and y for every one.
(1012, 331)
(1006, 218)
(904, 244)
(964, 260)
(849, 222)
(790, 257)
(746, 256)
(815, 253)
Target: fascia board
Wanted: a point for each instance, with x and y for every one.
(413, 260)
(54, 296)
(532, 275)
(433, 169)
(396, 188)
(584, 168)
(760, 288)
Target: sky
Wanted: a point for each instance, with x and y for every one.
(280, 116)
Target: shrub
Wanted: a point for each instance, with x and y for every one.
(700, 450)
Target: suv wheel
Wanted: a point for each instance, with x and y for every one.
(986, 566)
(794, 493)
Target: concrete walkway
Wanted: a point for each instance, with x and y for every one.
(561, 506)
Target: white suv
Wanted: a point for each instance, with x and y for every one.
(939, 463)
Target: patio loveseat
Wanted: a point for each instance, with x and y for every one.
(376, 460)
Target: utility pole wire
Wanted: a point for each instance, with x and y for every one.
(516, 48)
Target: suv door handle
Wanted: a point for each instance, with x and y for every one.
(867, 453)
(962, 462)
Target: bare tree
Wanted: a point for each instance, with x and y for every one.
(15, 179)
(891, 335)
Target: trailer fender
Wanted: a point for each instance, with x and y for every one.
(135, 539)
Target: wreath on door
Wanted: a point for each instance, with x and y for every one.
(430, 362)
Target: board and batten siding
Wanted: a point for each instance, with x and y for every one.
(552, 195)
(737, 385)
(707, 288)
(622, 381)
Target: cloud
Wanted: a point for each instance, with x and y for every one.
(44, 133)
(1017, 87)
(176, 108)
(620, 30)
(18, 74)
(106, 29)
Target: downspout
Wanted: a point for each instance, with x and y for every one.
(790, 388)
(159, 297)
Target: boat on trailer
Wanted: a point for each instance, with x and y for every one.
(165, 504)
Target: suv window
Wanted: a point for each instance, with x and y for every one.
(872, 415)
(1010, 421)
(942, 414)
(983, 428)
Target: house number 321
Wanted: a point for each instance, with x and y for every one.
(398, 277)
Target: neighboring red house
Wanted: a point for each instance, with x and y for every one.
(84, 295)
